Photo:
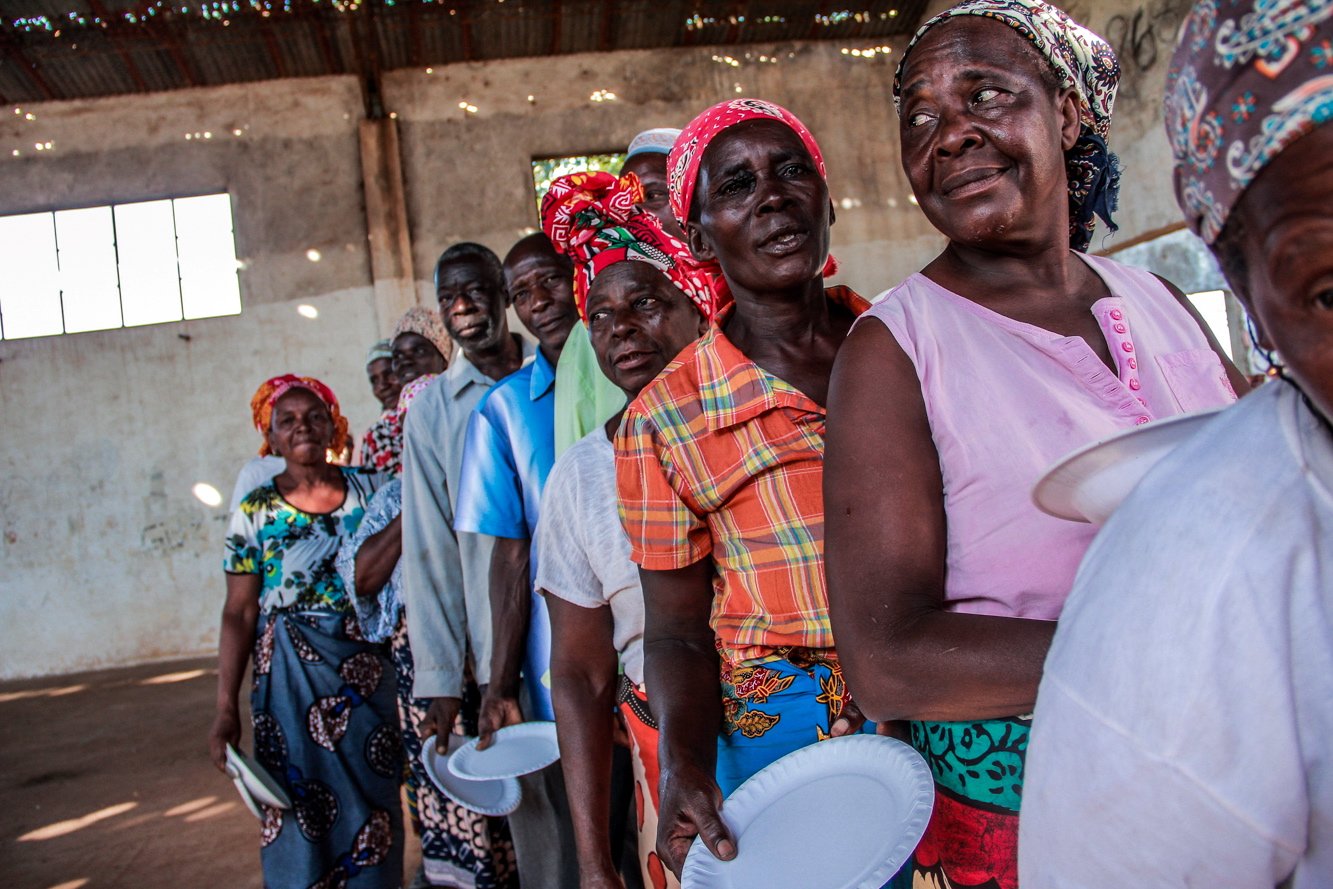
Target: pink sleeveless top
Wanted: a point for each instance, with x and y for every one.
(1006, 399)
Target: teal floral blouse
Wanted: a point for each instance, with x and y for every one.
(293, 550)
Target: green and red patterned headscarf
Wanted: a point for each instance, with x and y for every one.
(593, 219)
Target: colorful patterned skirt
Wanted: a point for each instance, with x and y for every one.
(459, 848)
(643, 737)
(325, 728)
(775, 706)
(972, 838)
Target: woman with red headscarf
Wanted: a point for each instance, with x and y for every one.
(643, 301)
(719, 467)
(322, 704)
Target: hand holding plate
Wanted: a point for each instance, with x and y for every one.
(226, 730)
(439, 721)
(497, 712)
(691, 806)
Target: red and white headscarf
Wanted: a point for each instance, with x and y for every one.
(688, 153)
(593, 219)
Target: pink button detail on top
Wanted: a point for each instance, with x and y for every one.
(1006, 400)
(1119, 327)
(1133, 364)
(1134, 384)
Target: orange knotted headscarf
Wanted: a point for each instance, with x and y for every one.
(267, 395)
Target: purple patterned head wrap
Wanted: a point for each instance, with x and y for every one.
(1249, 77)
(1084, 63)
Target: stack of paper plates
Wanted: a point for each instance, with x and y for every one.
(255, 785)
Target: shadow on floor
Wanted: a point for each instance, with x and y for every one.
(106, 784)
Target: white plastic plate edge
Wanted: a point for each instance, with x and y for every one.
(260, 784)
(1052, 492)
(429, 758)
(470, 763)
(245, 795)
(703, 871)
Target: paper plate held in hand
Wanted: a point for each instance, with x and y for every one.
(843, 814)
(1088, 484)
(516, 750)
(490, 797)
(248, 799)
(257, 784)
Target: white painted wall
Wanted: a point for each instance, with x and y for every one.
(106, 557)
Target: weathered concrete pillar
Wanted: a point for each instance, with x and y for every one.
(386, 222)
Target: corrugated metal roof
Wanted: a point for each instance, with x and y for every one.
(66, 49)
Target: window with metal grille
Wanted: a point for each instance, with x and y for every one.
(120, 265)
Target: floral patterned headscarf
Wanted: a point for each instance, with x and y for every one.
(687, 156)
(592, 218)
(1084, 63)
(425, 322)
(1248, 78)
(409, 393)
(268, 393)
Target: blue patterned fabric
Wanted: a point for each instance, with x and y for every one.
(325, 727)
(377, 614)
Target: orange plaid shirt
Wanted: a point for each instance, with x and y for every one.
(719, 457)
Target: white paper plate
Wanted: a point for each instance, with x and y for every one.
(1088, 484)
(497, 797)
(261, 785)
(516, 750)
(840, 814)
(247, 798)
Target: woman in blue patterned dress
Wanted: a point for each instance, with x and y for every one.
(323, 697)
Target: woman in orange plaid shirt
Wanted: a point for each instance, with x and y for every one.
(720, 474)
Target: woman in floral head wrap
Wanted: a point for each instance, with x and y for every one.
(719, 466)
(1182, 729)
(322, 698)
(643, 300)
(1007, 351)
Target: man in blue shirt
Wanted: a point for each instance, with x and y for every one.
(509, 451)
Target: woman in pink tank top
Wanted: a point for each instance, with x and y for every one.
(1008, 350)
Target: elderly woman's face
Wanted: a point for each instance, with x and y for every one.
(638, 321)
(301, 428)
(763, 209)
(1287, 219)
(415, 356)
(984, 135)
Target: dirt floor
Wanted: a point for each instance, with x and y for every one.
(105, 783)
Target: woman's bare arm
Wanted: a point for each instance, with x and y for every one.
(240, 616)
(905, 655)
